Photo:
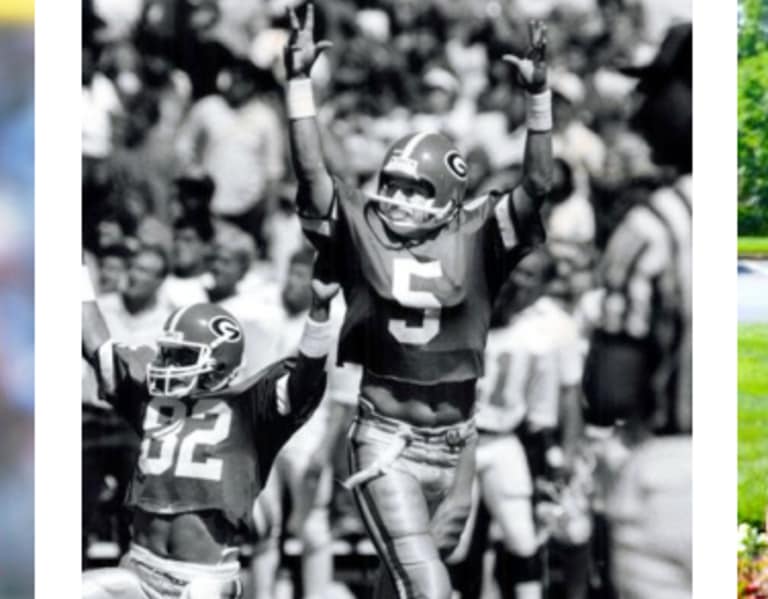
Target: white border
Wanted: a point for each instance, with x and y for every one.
(714, 299)
(58, 422)
(57, 285)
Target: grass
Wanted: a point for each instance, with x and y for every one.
(753, 246)
(753, 423)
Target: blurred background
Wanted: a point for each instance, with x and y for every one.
(188, 192)
(16, 299)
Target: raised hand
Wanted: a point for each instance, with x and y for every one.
(301, 51)
(324, 292)
(532, 70)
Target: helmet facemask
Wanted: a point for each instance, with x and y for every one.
(183, 367)
(407, 206)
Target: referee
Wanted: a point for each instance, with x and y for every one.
(639, 366)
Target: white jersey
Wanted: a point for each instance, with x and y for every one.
(129, 329)
(526, 365)
(502, 391)
(178, 292)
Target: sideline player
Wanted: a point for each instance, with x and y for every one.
(533, 368)
(208, 442)
(420, 266)
(639, 365)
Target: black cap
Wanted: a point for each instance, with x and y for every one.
(674, 60)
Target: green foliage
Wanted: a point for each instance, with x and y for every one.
(753, 220)
(751, 28)
(753, 424)
(753, 108)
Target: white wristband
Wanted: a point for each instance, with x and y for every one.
(300, 99)
(317, 339)
(89, 295)
(538, 110)
(105, 357)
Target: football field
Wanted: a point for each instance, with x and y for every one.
(753, 422)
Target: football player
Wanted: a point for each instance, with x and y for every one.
(639, 366)
(533, 363)
(420, 266)
(208, 442)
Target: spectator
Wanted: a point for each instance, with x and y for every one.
(233, 254)
(137, 312)
(571, 231)
(118, 16)
(192, 235)
(193, 194)
(236, 137)
(113, 269)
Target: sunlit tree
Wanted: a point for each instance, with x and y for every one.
(753, 116)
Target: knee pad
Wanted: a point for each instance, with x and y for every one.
(515, 569)
(316, 529)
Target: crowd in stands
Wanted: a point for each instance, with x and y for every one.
(188, 193)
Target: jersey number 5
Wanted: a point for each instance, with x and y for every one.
(163, 424)
(403, 269)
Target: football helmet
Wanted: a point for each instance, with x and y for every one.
(422, 183)
(200, 349)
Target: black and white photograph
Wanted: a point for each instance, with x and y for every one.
(386, 299)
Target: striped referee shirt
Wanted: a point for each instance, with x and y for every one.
(646, 277)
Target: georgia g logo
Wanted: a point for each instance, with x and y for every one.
(226, 329)
(456, 165)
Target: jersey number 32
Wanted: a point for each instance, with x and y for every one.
(164, 446)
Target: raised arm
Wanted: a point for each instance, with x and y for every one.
(315, 191)
(537, 161)
(307, 382)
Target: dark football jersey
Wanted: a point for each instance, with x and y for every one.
(418, 312)
(213, 451)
